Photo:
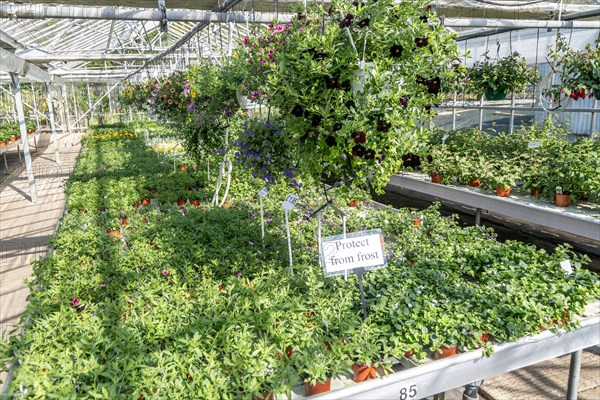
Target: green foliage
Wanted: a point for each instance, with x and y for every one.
(500, 76)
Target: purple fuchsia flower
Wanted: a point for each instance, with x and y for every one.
(165, 272)
(279, 28)
(270, 26)
(245, 40)
(75, 301)
(103, 285)
(254, 95)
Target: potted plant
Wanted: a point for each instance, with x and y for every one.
(501, 175)
(317, 365)
(365, 349)
(579, 70)
(496, 78)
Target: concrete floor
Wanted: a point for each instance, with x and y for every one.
(24, 226)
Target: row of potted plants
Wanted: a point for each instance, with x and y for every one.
(196, 304)
(11, 132)
(539, 159)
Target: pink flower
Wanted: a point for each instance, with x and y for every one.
(262, 61)
(74, 301)
(103, 285)
(245, 40)
(270, 26)
(279, 41)
(279, 28)
(165, 272)
(254, 95)
(300, 30)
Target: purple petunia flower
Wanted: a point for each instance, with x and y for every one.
(75, 301)
(165, 272)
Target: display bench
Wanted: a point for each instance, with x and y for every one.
(470, 369)
(579, 221)
(17, 145)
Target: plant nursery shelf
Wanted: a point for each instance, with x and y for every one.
(585, 224)
(446, 374)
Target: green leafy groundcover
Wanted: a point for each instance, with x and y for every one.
(198, 306)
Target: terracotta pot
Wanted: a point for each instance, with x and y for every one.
(2, 144)
(361, 372)
(265, 396)
(535, 191)
(436, 179)
(353, 203)
(502, 192)
(181, 203)
(562, 200)
(182, 168)
(145, 201)
(319, 387)
(409, 353)
(446, 352)
(13, 138)
(114, 233)
(124, 221)
(417, 222)
(475, 182)
(195, 203)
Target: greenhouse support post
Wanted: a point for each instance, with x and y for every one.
(574, 372)
(512, 113)
(593, 121)
(36, 112)
(481, 113)
(51, 120)
(21, 115)
(65, 104)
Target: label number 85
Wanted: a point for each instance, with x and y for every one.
(408, 393)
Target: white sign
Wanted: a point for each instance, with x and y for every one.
(355, 250)
(566, 266)
(408, 393)
(535, 144)
(263, 192)
(290, 202)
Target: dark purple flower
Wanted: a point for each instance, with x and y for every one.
(238, 274)
(411, 160)
(332, 82)
(315, 120)
(422, 41)
(396, 50)
(297, 111)
(404, 101)
(369, 154)
(358, 150)
(337, 126)
(359, 137)
(347, 21)
(330, 141)
(364, 23)
(383, 126)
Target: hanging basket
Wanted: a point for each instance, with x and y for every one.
(246, 103)
(495, 96)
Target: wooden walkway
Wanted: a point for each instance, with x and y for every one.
(25, 227)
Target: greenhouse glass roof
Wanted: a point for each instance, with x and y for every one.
(107, 41)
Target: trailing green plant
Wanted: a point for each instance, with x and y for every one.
(503, 75)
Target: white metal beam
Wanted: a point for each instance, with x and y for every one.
(516, 23)
(38, 11)
(13, 64)
(39, 57)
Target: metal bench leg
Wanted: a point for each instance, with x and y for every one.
(471, 389)
(574, 371)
